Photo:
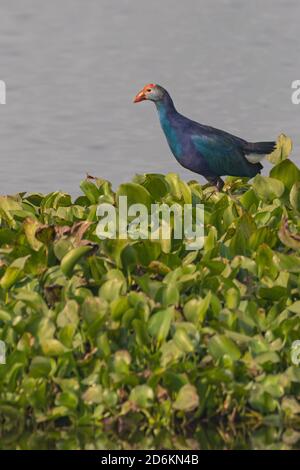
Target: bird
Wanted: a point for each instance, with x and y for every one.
(203, 149)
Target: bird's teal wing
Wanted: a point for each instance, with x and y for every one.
(223, 156)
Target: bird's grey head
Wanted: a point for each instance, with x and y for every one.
(150, 92)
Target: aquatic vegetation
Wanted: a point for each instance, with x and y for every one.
(144, 341)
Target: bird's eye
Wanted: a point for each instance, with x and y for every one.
(149, 89)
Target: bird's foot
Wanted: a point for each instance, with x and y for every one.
(217, 182)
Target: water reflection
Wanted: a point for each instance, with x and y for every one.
(217, 437)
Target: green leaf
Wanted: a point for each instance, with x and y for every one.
(232, 297)
(93, 395)
(41, 366)
(30, 226)
(141, 333)
(118, 307)
(53, 347)
(13, 273)
(69, 315)
(295, 196)
(174, 185)
(62, 247)
(283, 149)
(156, 185)
(262, 401)
(169, 294)
(72, 257)
(170, 353)
(290, 263)
(112, 289)
(219, 345)
(159, 324)
(90, 190)
(10, 277)
(94, 310)
(195, 309)
(7, 207)
(187, 399)
(287, 173)
(142, 396)
(290, 406)
(269, 356)
(249, 199)
(136, 194)
(288, 238)
(67, 399)
(295, 307)
(272, 293)
(33, 300)
(5, 316)
(186, 337)
(267, 188)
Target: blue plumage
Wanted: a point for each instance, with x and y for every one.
(202, 149)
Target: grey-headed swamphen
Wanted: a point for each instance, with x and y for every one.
(202, 149)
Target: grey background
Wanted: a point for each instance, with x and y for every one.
(72, 68)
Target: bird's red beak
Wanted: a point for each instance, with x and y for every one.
(140, 97)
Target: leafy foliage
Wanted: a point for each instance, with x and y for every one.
(141, 340)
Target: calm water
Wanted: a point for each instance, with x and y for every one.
(72, 68)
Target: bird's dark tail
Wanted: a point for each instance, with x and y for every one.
(260, 148)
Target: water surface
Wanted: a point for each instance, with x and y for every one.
(73, 67)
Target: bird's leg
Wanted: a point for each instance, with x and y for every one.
(216, 181)
(220, 184)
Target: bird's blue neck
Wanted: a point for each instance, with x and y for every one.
(165, 108)
(167, 116)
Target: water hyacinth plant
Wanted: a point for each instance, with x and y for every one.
(140, 343)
